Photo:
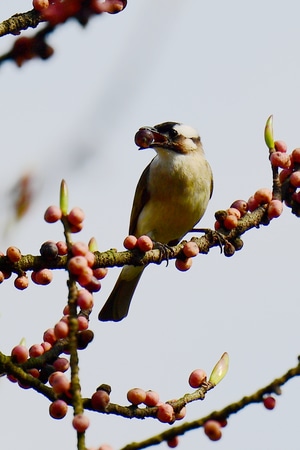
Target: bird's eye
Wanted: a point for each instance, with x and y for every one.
(173, 133)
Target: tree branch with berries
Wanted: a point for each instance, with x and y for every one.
(53, 13)
(44, 367)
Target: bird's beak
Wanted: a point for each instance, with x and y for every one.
(149, 137)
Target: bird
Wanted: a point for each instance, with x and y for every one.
(170, 199)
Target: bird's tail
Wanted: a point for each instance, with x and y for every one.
(117, 304)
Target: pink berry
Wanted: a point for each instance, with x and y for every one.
(46, 346)
(19, 354)
(49, 336)
(39, 5)
(100, 273)
(77, 264)
(58, 409)
(280, 146)
(62, 248)
(52, 214)
(93, 285)
(130, 242)
(279, 159)
(190, 249)
(230, 222)
(234, 211)
(263, 195)
(275, 209)
(212, 429)
(13, 254)
(81, 422)
(83, 323)
(296, 155)
(152, 398)
(181, 414)
(61, 364)
(185, 265)
(90, 257)
(42, 277)
(240, 205)
(144, 243)
(79, 249)
(100, 400)
(61, 330)
(295, 179)
(59, 383)
(269, 402)
(165, 413)
(284, 174)
(85, 299)
(76, 216)
(21, 282)
(197, 377)
(252, 203)
(85, 276)
(36, 350)
(136, 396)
(173, 442)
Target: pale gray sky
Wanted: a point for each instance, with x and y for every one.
(222, 67)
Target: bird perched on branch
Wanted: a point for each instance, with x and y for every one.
(170, 198)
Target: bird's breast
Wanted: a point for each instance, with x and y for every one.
(179, 189)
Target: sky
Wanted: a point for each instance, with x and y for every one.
(222, 67)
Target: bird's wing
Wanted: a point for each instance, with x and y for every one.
(141, 197)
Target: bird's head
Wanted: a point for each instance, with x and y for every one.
(173, 136)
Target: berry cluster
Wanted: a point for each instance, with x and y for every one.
(145, 244)
(289, 176)
(58, 11)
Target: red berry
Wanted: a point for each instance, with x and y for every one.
(269, 402)
(130, 242)
(58, 409)
(212, 429)
(144, 138)
(241, 205)
(19, 354)
(280, 146)
(39, 5)
(279, 159)
(52, 214)
(36, 350)
(136, 396)
(165, 413)
(185, 265)
(275, 209)
(13, 254)
(76, 216)
(100, 400)
(144, 243)
(81, 422)
(230, 222)
(263, 195)
(296, 155)
(152, 398)
(172, 443)
(197, 377)
(21, 282)
(295, 179)
(190, 249)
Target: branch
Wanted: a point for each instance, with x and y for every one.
(19, 22)
(225, 413)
